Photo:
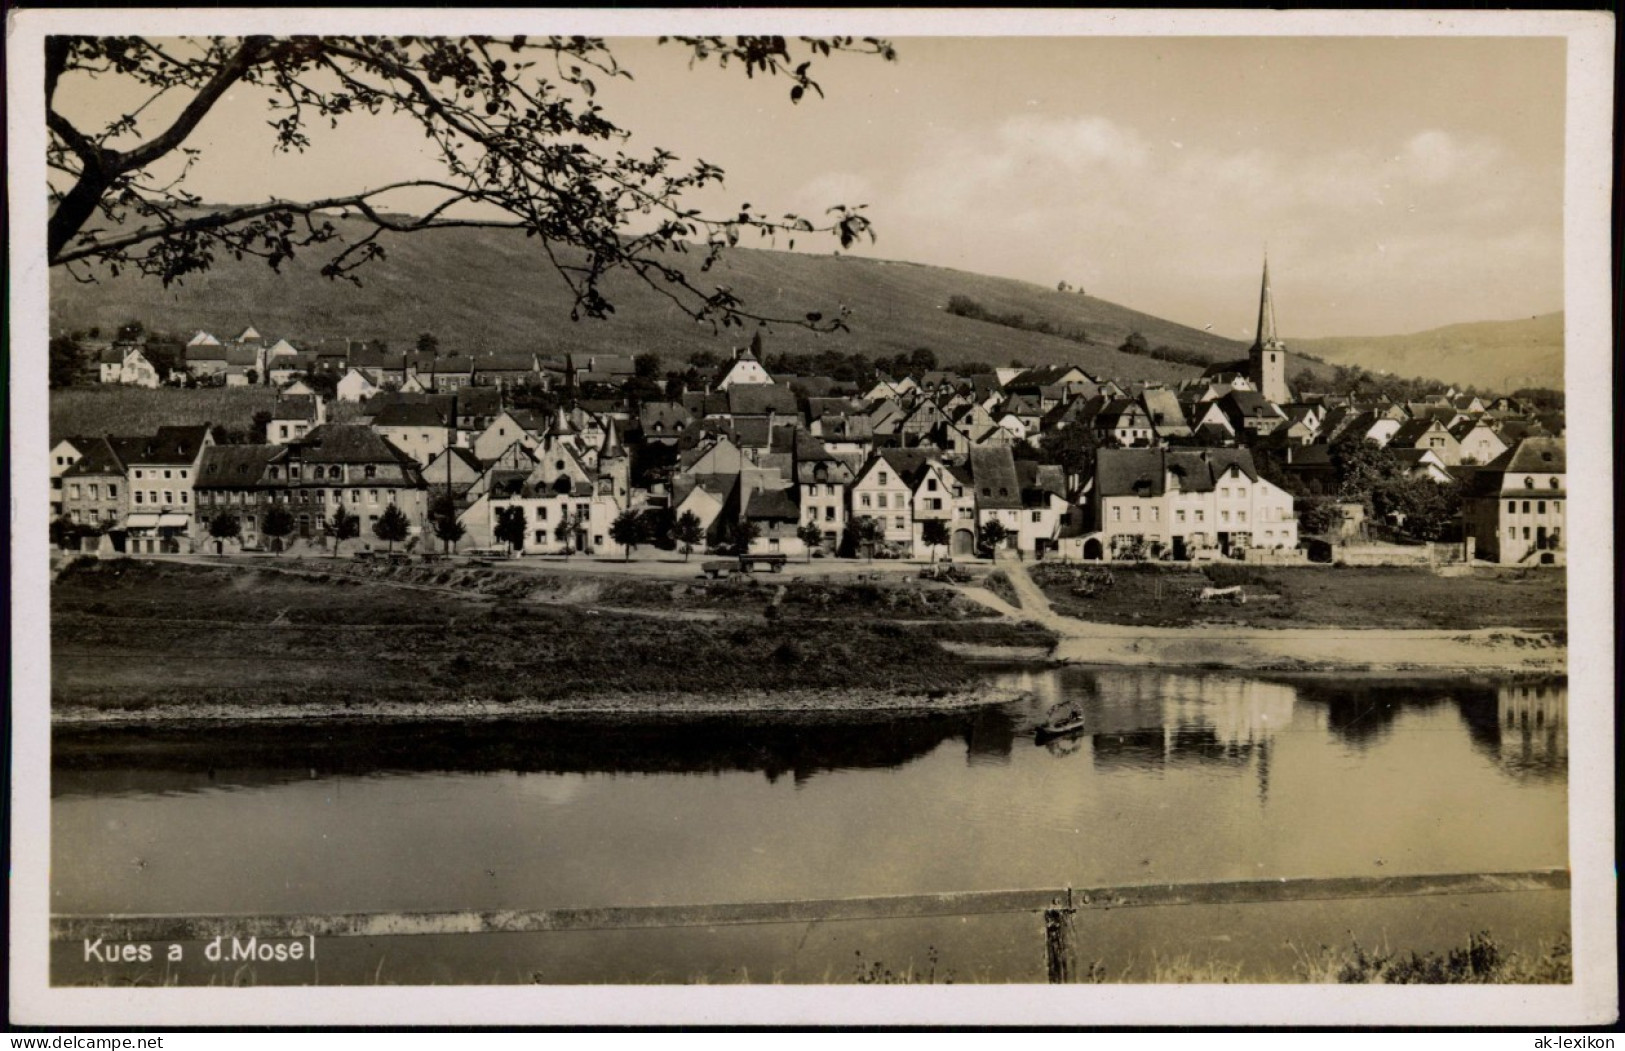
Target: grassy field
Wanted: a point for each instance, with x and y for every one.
(137, 635)
(120, 410)
(135, 410)
(1365, 597)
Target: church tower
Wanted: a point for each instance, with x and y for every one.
(1266, 360)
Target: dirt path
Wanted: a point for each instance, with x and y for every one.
(1086, 642)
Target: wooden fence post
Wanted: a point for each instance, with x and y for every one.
(1060, 952)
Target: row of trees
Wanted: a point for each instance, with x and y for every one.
(964, 306)
(392, 527)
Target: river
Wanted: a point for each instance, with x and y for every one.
(1176, 777)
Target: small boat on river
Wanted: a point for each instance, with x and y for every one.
(1064, 721)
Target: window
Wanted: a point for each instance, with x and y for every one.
(183, 473)
(829, 514)
(1526, 507)
(138, 472)
(152, 496)
(184, 497)
(293, 472)
(284, 430)
(1512, 532)
(1117, 514)
(1199, 514)
(1224, 516)
(863, 501)
(73, 492)
(1526, 532)
(1136, 512)
(882, 478)
(1038, 516)
(930, 485)
(897, 523)
(138, 496)
(1512, 507)
(371, 472)
(372, 496)
(1528, 482)
(112, 491)
(1179, 515)
(355, 496)
(167, 475)
(1540, 506)
(1241, 516)
(1156, 515)
(1224, 492)
(169, 496)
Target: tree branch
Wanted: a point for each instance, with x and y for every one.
(253, 51)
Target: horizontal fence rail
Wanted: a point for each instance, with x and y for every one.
(1063, 900)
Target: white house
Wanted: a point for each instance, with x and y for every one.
(1179, 502)
(355, 386)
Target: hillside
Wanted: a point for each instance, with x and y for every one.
(491, 290)
(1490, 355)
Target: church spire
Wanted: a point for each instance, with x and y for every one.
(1267, 336)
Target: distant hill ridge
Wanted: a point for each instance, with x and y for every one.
(492, 290)
(1491, 355)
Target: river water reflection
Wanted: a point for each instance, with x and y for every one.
(1178, 776)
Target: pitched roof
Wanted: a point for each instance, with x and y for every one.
(295, 407)
(1249, 404)
(349, 443)
(777, 504)
(663, 416)
(1143, 472)
(168, 445)
(1532, 456)
(1412, 431)
(96, 456)
(235, 466)
(993, 472)
(409, 415)
(478, 401)
(757, 399)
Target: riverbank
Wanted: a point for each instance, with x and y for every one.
(144, 641)
(1217, 644)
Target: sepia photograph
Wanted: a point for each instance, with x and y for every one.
(593, 517)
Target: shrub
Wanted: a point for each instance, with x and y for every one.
(1000, 585)
(1229, 575)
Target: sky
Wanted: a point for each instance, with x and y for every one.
(1399, 184)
